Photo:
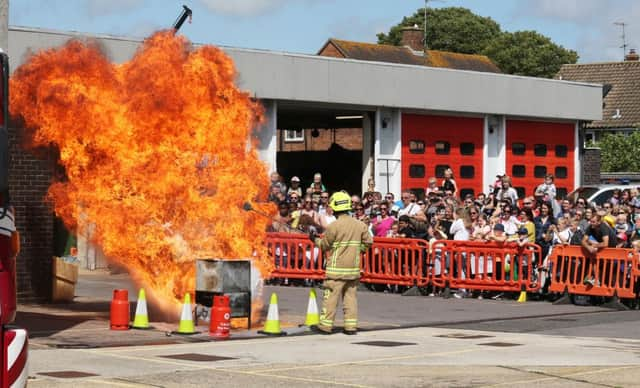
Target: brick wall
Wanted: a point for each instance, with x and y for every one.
(591, 166)
(348, 138)
(29, 179)
(330, 50)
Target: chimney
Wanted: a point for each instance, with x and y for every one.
(632, 56)
(412, 38)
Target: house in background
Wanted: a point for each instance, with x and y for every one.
(621, 86)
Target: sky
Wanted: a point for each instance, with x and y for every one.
(303, 26)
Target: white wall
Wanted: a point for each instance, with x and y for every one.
(495, 137)
(388, 145)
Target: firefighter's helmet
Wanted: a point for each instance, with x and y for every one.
(340, 202)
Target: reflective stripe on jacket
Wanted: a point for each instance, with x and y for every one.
(345, 239)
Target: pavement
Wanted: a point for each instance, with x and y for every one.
(404, 341)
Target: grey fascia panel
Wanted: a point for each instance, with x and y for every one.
(299, 77)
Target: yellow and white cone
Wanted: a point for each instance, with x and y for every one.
(272, 324)
(313, 317)
(523, 297)
(186, 325)
(141, 319)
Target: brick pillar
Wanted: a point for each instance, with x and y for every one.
(591, 166)
(29, 180)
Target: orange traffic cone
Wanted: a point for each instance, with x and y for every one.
(120, 310)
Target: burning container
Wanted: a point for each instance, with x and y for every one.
(223, 277)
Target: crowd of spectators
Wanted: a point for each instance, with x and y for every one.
(498, 215)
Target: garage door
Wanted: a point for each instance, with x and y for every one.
(535, 149)
(431, 144)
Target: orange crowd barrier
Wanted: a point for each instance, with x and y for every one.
(615, 271)
(394, 261)
(294, 256)
(485, 266)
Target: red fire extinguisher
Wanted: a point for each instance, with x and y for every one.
(220, 323)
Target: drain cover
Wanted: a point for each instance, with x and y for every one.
(68, 374)
(197, 357)
(386, 344)
(465, 336)
(500, 344)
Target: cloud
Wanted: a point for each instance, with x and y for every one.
(250, 7)
(105, 7)
(597, 38)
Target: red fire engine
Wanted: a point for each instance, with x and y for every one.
(13, 352)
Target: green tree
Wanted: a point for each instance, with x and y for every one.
(528, 53)
(460, 30)
(618, 153)
(449, 29)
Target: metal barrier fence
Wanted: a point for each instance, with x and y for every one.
(615, 271)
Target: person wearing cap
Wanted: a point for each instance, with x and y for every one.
(295, 187)
(497, 234)
(344, 239)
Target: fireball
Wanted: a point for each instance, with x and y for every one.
(158, 152)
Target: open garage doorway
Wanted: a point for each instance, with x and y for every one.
(327, 140)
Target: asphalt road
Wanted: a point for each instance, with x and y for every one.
(417, 341)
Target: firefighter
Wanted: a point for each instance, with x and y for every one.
(345, 239)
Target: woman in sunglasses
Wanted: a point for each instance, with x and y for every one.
(383, 222)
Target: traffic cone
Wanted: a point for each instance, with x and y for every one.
(186, 325)
(141, 319)
(313, 317)
(523, 297)
(272, 325)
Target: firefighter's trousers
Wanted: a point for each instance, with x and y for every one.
(334, 290)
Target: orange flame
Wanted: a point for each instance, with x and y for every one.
(158, 152)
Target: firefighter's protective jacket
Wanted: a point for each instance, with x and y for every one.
(345, 239)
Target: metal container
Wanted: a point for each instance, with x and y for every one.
(223, 277)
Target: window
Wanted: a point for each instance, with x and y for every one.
(561, 151)
(416, 147)
(561, 193)
(539, 171)
(467, 148)
(540, 150)
(416, 171)
(467, 172)
(463, 192)
(418, 192)
(440, 170)
(520, 191)
(442, 148)
(518, 170)
(518, 148)
(561, 172)
(291, 135)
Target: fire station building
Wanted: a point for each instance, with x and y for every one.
(415, 121)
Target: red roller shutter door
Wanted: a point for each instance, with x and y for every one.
(430, 144)
(535, 149)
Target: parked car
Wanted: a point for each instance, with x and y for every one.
(595, 194)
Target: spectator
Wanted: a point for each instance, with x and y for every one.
(294, 197)
(509, 222)
(275, 193)
(394, 232)
(410, 207)
(432, 186)
(405, 196)
(565, 209)
(507, 192)
(389, 197)
(308, 210)
(449, 184)
(526, 221)
(595, 238)
(543, 222)
(324, 203)
(282, 221)
(404, 227)
(295, 187)
(461, 225)
(547, 190)
(327, 218)
(276, 180)
(480, 227)
(383, 222)
(317, 184)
